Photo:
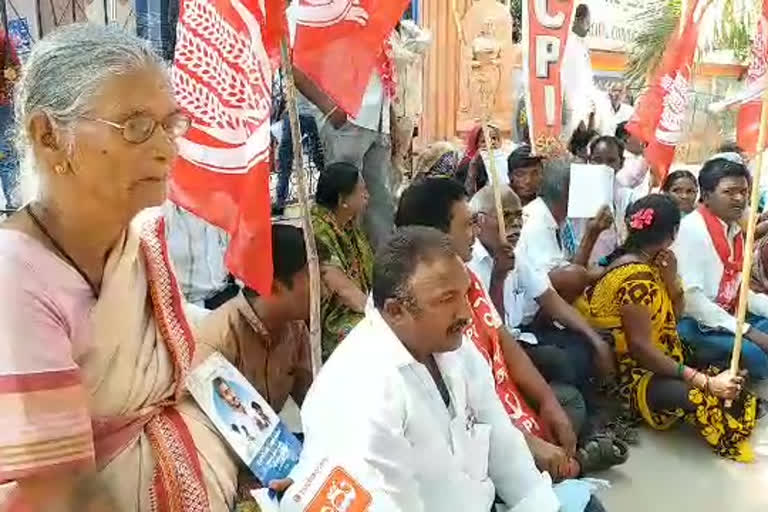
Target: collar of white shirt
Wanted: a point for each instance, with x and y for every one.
(389, 344)
(481, 263)
(537, 211)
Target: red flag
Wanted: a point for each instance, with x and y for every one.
(223, 78)
(340, 42)
(748, 123)
(545, 32)
(661, 112)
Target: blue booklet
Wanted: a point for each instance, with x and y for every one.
(244, 419)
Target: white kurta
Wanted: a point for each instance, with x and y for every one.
(374, 404)
(701, 270)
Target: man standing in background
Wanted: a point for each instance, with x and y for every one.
(9, 165)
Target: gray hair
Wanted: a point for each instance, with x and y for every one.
(66, 69)
(556, 180)
(484, 200)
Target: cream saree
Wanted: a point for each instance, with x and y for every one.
(155, 449)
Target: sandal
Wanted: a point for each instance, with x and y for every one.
(601, 453)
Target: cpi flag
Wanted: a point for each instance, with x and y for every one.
(748, 124)
(661, 112)
(340, 42)
(222, 77)
(546, 26)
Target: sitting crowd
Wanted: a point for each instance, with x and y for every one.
(463, 367)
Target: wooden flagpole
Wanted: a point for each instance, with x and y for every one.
(494, 180)
(746, 269)
(289, 86)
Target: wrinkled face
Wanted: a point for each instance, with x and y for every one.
(432, 317)
(684, 192)
(229, 396)
(357, 201)
(463, 229)
(607, 154)
(526, 181)
(98, 164)
(729, 199)
(513, 223)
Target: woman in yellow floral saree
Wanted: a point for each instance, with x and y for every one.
(636, 302)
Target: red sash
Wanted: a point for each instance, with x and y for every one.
(482, 331)
(730, 282)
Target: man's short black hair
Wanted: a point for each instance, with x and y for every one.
(289, 255)
(715, 170)
(398, 258)
(581, 11)
(428, 202)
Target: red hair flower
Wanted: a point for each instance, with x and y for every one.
(641, 219)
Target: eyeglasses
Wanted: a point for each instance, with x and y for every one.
(140, 128)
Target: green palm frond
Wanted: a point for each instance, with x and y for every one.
(659, 22)
(728, 25)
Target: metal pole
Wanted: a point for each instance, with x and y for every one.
(39, 19)
(106, 12)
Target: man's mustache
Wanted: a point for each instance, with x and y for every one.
(458, 326)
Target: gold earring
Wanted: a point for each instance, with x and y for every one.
(344, 205)
(59, 169)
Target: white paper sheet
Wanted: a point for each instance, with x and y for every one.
(591, 188)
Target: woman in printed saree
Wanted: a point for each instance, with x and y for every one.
(345, 253)
(637, 302)
(95, 345)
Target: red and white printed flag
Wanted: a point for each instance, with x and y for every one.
(339, 43)
(222, 77)
(662, 111)
(748, 121)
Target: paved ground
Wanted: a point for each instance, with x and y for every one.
(676, 472)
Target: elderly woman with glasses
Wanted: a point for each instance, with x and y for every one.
(95, 345)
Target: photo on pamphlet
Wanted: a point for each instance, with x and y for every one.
(244, 419)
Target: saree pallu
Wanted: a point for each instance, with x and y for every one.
(155, 449)
(726, 430)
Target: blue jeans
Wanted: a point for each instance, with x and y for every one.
(313, 150)
(9, 164)
(714, 346)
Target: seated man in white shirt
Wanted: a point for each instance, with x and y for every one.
(547, 242)
(562, 355)
(710, 251)
(403, 396)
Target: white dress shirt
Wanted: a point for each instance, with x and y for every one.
(374, 112)
(700, 269)
(197, 250)
(522, 287)
(375, 404)
(617, 117)
(538, 246)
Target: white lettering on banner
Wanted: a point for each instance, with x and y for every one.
(546, 20)
(614, 23)
(759, 66)
(549, 104)
(223, 78)
(676, 101)
(324, 13)
(547, 52)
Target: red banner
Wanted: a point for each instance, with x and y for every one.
(662, 111)
(546, 25)
(340, 42)
(748, 124)
(223, 78)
